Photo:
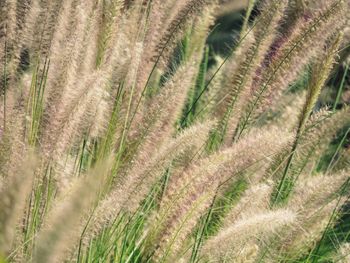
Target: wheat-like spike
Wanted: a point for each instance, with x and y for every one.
(45, 26)
(314, 201)
(260, 225)
(313, 6)
(90, 42)
(255, 199)
(287, 112)
(101, 114)
(320, 130)
(304, 238)
(311, 193)
(60, 46)
(215, 88)
(115, 35)
(343, 254)
(155, 24)
(25, 15)
(8, 27)
(111, 11)
(319, 75)
(200, 31)
(194, 47)
(9, 22)
(13, 199)
(12, 142)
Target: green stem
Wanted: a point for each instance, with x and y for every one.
(314, 252)
(280, 189)
(340, 91)
(201, 236)
(331, 163)
(250, 8)
(5, 83)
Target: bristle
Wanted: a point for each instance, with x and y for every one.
(241, 231)
(343, 254)
(255, 199)
(319, 75)
(314, 201)
(14, 195)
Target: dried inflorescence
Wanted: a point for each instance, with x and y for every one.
(230, 242)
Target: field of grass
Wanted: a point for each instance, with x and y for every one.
(191, 131)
